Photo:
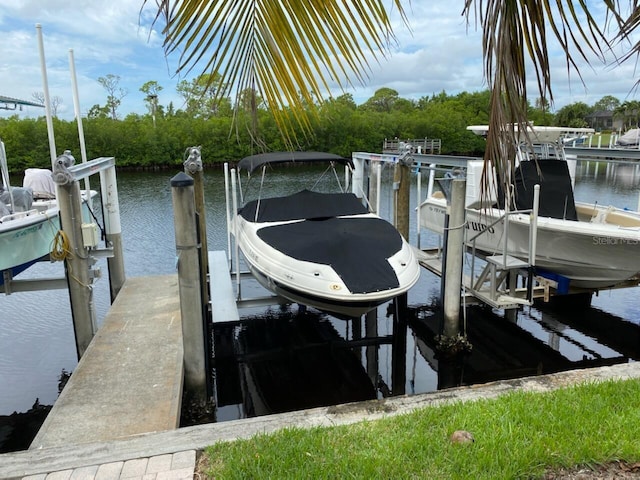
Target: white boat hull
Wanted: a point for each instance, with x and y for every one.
(314, 284)
(26, 239)
(592, 255)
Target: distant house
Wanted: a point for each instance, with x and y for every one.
(603, 120)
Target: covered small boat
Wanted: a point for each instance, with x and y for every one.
(324, 250)
(28, 224)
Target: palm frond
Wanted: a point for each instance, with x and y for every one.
(291, 51)
(514, 31)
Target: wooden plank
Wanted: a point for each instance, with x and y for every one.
(223, 299)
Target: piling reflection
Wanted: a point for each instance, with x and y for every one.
(290, 359)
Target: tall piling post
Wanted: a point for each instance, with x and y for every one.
(182, 193)
(454, 259)
(193, 166)
(76, 257)
(401, 179)
(113, 229)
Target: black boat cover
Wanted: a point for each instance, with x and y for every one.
(556, 193)
(256, 161)
(303, 205)
(357, 248)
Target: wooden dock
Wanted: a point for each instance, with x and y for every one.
(129, 381)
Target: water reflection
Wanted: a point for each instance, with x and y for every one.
(286, 360)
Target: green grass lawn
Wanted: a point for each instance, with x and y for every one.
(519, 435)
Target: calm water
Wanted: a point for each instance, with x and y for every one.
(309, 356)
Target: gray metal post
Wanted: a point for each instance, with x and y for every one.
(453, 262)
(182, 193)
(113, 229)
(77, 261)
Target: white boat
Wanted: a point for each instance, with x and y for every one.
(29, 219)
(323, 250)
(27, 225)
(631, 139)
(590, 246)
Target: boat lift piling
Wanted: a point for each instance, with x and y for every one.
(112, 229)
(76, 255)
(187, 262)
(452, 283)
(193, 167)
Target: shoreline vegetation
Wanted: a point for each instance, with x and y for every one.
(140, 142)
(584, 431)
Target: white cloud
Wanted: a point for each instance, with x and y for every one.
(437, 52)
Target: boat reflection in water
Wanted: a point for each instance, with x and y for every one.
(289, 360)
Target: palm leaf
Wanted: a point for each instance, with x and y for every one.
(514, 31)
(290, 51)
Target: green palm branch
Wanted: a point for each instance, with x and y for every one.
(287, 52)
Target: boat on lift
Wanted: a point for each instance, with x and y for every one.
(28, 224)
(321, 249)
(587, 245)
(29, 220)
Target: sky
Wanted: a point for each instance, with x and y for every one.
(437, 52)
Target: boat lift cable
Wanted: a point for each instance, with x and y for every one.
(264, 169)
(103, 234)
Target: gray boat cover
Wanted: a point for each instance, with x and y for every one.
(22, 198)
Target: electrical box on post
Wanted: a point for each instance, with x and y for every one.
(90, 237)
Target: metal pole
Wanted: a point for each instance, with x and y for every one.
(76, 109)
(186, 234)
(453, 260)
(236, 253)
(113, 229)
(47, 100)
(533, 228)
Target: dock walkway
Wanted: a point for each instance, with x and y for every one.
(129, 381)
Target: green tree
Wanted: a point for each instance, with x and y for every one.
(115, 93)
(629, 113)
(151, 89)
(573, 115)
(202, 96)
(607, 103)
(384, 100)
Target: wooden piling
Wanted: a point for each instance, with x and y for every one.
(77, 265)
(182, 192)
(454, 258)
(402, 182)
(193, 167)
